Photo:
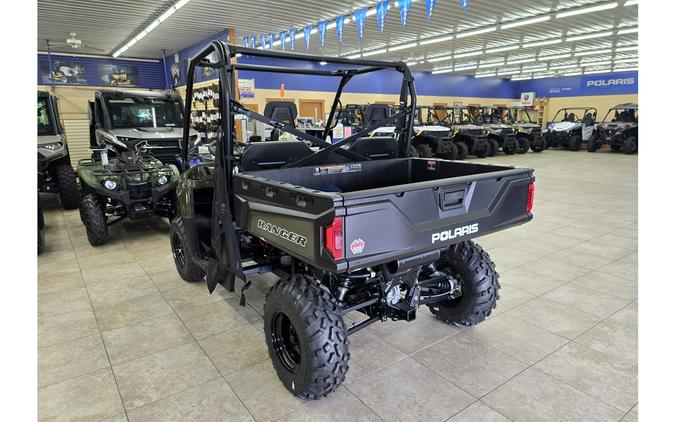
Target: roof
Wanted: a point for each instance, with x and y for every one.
(625, 106)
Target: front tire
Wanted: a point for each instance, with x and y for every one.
(482, 149)
(510, 146)
(538, 145)
(630, 146)
(462, 150)
(574, 143)
(451, 153)
(494, 147)
(424, 151)
(306, 337)
(95, 221)
(592, 145)
(472, 266)
(183, 255)
(69, 190)
(523, 145)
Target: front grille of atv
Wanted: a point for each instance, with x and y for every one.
(140, 191)
(170, 149)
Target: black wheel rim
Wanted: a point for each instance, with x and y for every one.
(177, 250)
(286, 342)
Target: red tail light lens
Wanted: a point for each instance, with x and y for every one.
(530, 197)
(334, 238)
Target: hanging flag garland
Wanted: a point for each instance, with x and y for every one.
(308, 33)
(381, 13)
(263, 40)
(360, 19)
(404, 9)
(430, 8)
(270, 40)
(253, 40)
(245, 41)
(339, 26)
(465, 5)
(291, 36)
(282, 40)
(321, 27)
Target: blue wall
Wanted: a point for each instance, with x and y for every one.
(150, 74)
(580, 86)
(185, 54)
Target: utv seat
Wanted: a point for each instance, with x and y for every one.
(375, 113)
(376, 147)
(281, 111)
(588, 119)
(271, 155)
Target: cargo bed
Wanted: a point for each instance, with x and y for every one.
(390, 209)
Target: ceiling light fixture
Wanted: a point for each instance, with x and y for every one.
(471, 54)
(510, 62)
(562, 67)
(625, 60)
(591, 64)
(627, 31)
(520, 78)
(589, 36)
(595, 72)
(586, 10)
(557, 56)
(436, 72)
(525, 22)
(485, 75)
(631, 3)
(439, 39)
(154, 24)
(462, 68)
(501, 49)
(404, 46)
(618, 49)
(625, 69)
(542, 43)
(353, 56)
(544, 75)
(488, 65)
(439, 59)
(592, 52)
(374, 52)
(476, 32)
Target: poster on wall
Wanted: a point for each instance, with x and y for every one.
(246, 88)
(457, 104)
(527, 99)
(118, 75)
(207, 73)
(175, 74)
(63, 72)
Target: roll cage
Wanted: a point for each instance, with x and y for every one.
(568, 114)
(627, 112)
(225, 262)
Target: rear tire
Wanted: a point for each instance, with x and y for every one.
(630, 146)
(424, 151)
(494, 147)
(510, 146)
(538, 145)
(523, 145)
(592, 145)
(470, 264)
(412, 152)
(462, 150)
(94, 219)
(451, 153)
(306, 337)
(574, 143)
(482, 150)
(69, 190)
(183, 256)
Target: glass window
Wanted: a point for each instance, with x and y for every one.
(45, 126)
(141, 112)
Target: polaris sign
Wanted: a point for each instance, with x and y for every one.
(610, 82)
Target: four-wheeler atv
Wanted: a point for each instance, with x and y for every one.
(526, 128)
(620, 133)
(124, 118)
(570, 127)
(429, 141)
(468, 137)
(55, 173)
(357, 226)
(501, 133)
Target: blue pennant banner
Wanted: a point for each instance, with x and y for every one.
(360, 19)
(321, 27)
(270, 40)
(339, 26)
(245, 41)
(282, 40)
(465, 5)
(381, 12)
(291, 37)
(263, 40)
(253, 41)
(308, 33)
(404, 9)
(430, 8)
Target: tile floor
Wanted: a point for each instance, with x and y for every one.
(121, 337)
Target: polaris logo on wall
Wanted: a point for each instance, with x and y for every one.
(296, 238)
(599, 83)
(453, 233)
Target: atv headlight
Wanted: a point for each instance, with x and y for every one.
(109, 184)
(52, 146)
(163, 180)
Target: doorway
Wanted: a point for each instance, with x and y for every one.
(312, 109)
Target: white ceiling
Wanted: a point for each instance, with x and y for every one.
(110, 25)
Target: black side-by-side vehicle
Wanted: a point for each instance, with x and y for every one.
(345, 231)
(620, 131)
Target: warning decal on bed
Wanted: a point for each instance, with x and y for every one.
(337, 169)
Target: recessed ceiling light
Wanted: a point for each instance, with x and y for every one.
(434, 72)
(595, 72)
(476, 32)
(627, 31)
(510, 62)
(626, 48)
(631, 3)
(461, 68)
(592, 52)
(403, 46)
(541, 43)
(526, 22)
(625, 69)
(520, 78)
(438, 39)
(487, 65)
(374, 52)
(485, 75)
(439, 59)
(500, 49)
(586, 10)
(557, 56)
(323, 63)
(470, 54)
(353, 56)
(589, 36)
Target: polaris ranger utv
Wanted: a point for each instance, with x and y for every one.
(346, 233)
(526, 129)
(135, 140)
(55, 173)
(469, 137)
(569, 129)
(620, 133)
(500, 133)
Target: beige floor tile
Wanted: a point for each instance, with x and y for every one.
(597, 374)
(236, 349)
(622, 268)
(580, 258)
(169, 279)
(162, 374)
(587, 300)
(612, 338)
(62, 302)
(90, 397)
(122, 417)
(556, 269)
(120, 290)
(65, 327)
(132, 311)
(339, 406)
(51, 283)
(102, 260)
(363, 345)
(264, 395)
(470, 364)
(631, 416)
(133, 341)
(506, 257)
(434, 398)
(71, 359)
(558, 241)
(517, 338)
(212, 401)
(554, 317)
(112, 273)
(605, 251)
(412, 336)
(509, 298)
(528, 281)
(609, 285)
(194, 294)
(628, 316)
(216, 317)
(535, 396)
(478, 412)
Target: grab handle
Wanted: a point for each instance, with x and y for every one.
(451, 198)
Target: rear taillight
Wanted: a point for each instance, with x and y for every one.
(334, 239)
(530, 197)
